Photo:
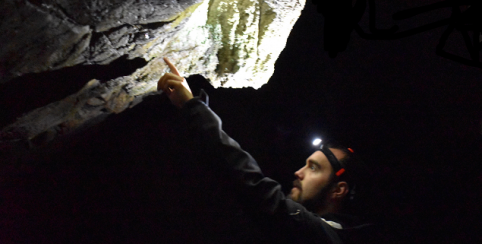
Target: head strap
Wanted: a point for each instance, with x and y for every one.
(337, 168)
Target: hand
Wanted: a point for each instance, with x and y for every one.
(175, 86)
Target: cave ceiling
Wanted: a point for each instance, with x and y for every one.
(52, 42)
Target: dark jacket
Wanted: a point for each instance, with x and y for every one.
(289, 221)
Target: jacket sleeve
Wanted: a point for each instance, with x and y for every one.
(262, 194)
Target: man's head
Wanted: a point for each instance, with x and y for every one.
(316, 186)
(322, 190)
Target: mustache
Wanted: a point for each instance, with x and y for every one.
(297, 183)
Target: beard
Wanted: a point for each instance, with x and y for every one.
(317, 202)
(296, 198)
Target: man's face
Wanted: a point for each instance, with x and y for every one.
(313, 179)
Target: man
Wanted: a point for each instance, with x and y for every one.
(312, 213)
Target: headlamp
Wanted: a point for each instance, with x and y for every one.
(317, 142)
(337, 167)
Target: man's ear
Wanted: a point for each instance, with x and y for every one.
(340, 190)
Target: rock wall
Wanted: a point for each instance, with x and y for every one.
(232, 43)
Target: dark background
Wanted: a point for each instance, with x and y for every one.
(413, 116)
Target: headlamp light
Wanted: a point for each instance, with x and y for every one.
(317, 142)
(337, 167)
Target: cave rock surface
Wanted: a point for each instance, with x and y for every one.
(233, 43)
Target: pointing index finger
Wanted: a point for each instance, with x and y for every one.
(172, 67)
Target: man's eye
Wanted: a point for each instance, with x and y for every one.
(313, 168)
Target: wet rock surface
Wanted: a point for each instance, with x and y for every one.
(229, 42)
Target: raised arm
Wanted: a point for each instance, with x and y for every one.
(262, 195)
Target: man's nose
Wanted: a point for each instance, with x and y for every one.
(299, 174)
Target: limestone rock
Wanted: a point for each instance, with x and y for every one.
(232, 43)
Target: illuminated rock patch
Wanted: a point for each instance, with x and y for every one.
(232, 43)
